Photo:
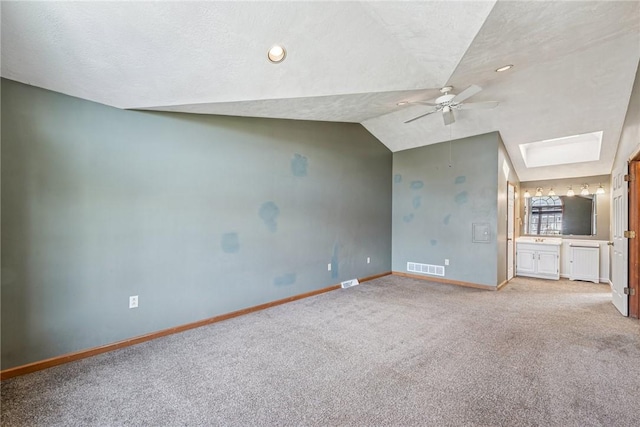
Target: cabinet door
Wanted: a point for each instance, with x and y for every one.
(525, 261)
(548, 263)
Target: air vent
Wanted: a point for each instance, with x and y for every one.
(434, 270)
(349, 283)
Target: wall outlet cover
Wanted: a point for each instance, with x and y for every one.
(133, 301)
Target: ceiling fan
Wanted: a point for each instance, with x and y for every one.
(448, 102)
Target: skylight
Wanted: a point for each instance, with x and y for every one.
(562, 151)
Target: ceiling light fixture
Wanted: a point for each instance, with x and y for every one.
(401, 103)
(277, 54)
(526, 194)
(570, 192)
(539, 192)
(504, 68)
(551, 192)
(585, 190)
(600, 189)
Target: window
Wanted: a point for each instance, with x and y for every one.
(546, 215)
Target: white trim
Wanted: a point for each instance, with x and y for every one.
(602, 279)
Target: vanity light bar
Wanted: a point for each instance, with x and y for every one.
(584, 191)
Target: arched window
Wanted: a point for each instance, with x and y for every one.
(546, 215)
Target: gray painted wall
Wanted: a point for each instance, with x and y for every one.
(560, 186)
(630, 135)
(503, 180)
(434, 207)
(198, 215)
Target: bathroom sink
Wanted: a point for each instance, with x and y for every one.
(540, 240)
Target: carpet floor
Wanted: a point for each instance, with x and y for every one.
(393, 351)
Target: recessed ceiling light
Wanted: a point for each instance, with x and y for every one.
(505, 68)
(277, 54)
(402, 103)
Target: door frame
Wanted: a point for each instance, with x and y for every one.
(633, 269)
(513, 231)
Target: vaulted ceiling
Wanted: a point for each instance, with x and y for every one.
(574, 64)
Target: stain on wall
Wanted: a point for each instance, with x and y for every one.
(269, 212)
(335, 265)
(461, 198)
(285, 280)
(299, 165)
(397, 178)
(433, 242)
(417, 185)
(460, 179)
(447, 219)
(417, 202)
(408, 218)
(230, 243)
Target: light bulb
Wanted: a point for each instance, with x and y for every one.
(570, 192)
(526, 194)
(585, 190)
(538, 192)
(551, 192)
(600, 190)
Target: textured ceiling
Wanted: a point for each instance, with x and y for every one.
(347, 61)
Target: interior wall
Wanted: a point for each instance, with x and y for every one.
(506, 175)
(197, 215)
(630, 135)
(435, 206)
(560, 186)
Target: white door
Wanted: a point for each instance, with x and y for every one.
(619, 221)
(511, 193)
(548, 263)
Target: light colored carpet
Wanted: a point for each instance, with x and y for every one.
(394, 351)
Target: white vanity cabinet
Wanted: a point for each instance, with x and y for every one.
(538, 258)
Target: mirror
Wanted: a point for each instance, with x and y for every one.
(560, 215)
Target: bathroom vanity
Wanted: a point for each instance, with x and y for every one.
(538, 257)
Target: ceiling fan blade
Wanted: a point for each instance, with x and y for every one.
(448, 117)
(430, 104)
(467, 93)
(420, 116)
(478, 105)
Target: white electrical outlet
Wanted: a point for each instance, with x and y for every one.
(368, 260)
(133, 301)
(329, 267)
(446, 262)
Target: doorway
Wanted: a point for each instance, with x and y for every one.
(625, 260)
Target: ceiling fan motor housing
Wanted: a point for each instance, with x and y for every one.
(445, 99)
